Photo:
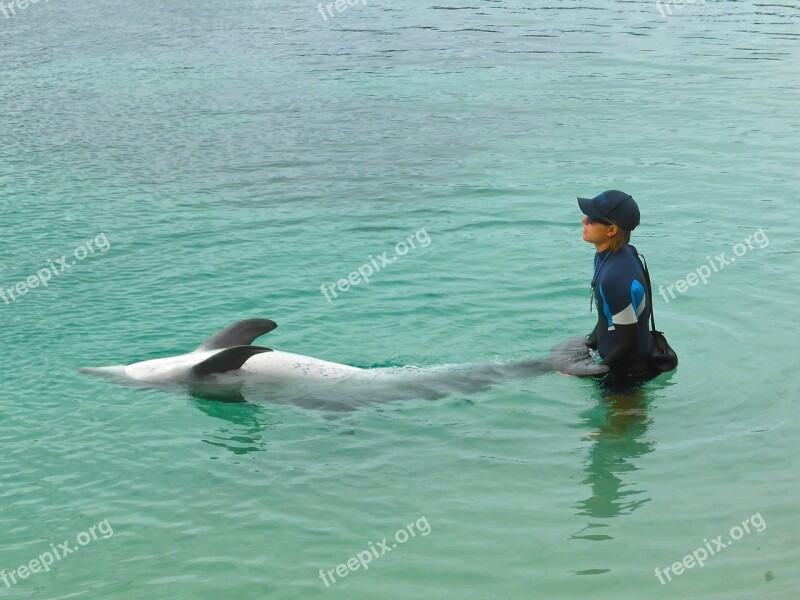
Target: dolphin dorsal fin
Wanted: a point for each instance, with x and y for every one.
(228, 359)
(241, 333)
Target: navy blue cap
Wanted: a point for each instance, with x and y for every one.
(614, 206)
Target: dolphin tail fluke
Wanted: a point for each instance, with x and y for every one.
(572, 357)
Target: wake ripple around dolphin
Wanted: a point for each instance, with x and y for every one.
(388, 384)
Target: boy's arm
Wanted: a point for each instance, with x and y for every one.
(626, 347)
(591, 339)
(620, 294)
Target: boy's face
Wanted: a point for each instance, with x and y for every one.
(596, 233)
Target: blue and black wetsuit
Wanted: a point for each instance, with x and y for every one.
(621, 335)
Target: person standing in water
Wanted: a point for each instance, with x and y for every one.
(621, 338)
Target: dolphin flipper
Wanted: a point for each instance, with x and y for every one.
(572, 358)
(228, 359)
(241, 333)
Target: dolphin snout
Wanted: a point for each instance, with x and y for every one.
(114, 372)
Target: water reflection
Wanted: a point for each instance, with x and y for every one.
(619, 424)
(245, 427)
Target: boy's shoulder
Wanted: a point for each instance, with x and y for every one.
(625, 264)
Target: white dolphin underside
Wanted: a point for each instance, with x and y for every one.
(267, 367)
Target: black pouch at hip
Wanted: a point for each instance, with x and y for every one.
(663, 358)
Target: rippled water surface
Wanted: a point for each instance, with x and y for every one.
(226, 160)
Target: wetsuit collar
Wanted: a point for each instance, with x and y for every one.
(598, 256)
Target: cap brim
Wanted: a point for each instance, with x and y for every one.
(587, 207)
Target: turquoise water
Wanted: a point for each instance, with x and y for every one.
(236, 157)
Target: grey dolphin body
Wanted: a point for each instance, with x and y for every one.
(227, 366)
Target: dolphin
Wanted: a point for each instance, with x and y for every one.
(227, 363)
